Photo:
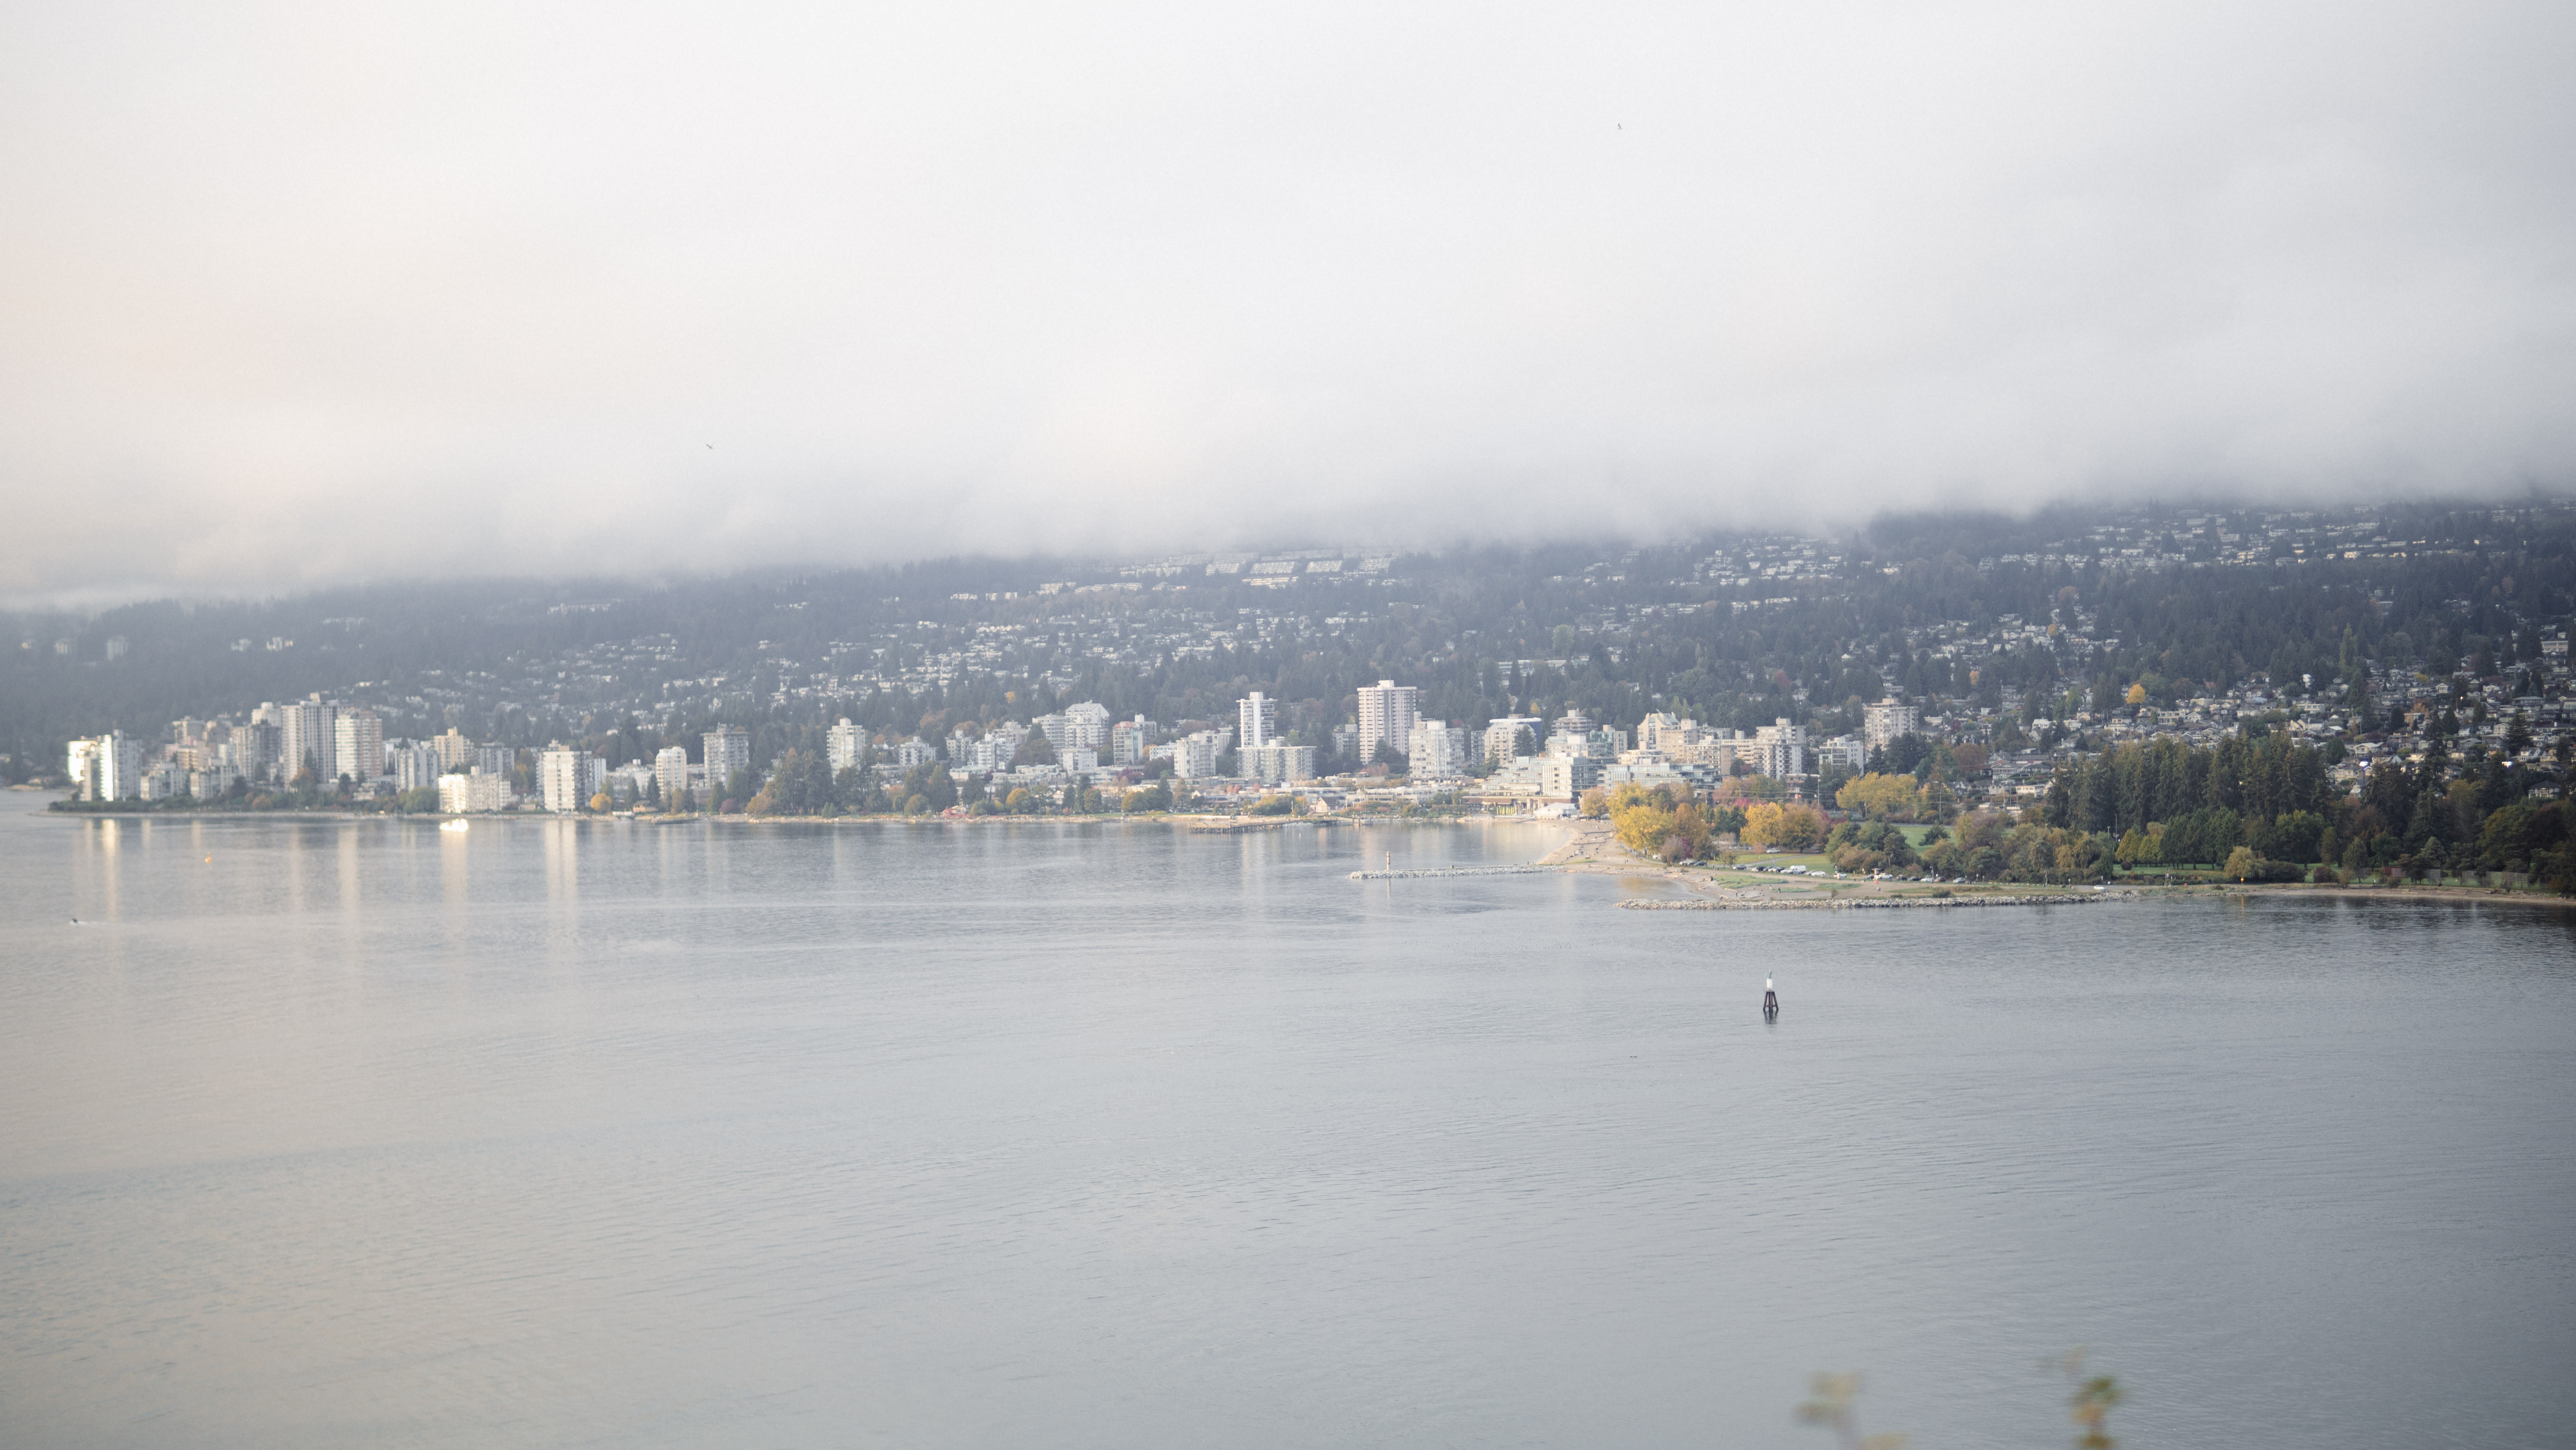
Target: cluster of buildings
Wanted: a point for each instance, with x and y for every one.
(208, 759)
(324, 745)
(1559, 760)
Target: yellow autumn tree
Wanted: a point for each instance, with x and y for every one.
(2138, 694)
(1791, 827)
(1654, 823)
(1881, 797)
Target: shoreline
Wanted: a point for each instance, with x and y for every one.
(1590, 848)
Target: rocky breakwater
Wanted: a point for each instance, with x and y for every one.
(1439, 871)
(1869, 903)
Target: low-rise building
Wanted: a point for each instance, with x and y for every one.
(1511, 737)
(1195, 755)
(473, 791)
(1277, 764)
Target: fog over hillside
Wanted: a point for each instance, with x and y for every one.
(293, 297)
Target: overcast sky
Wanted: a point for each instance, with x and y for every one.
(298, 294)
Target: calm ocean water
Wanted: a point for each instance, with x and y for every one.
(355, 1133)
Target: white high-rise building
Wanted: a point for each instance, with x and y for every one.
(118, 774)
(1888, 719)
(358, 745)
(1256, 720)
(671, 772)
(844, 743)
(1437, 749)
(454, 751)
(728, 750)
(1386, 717)
(306, 740)
(82, 767)
(1088, 725)
(569, 777)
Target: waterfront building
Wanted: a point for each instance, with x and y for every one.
(912, 752)
(306, 740)
(728, 749)
(844, 744)
(1386, 717)
(1520, 777)
(358, 745)
(567, 778)
(118, 775)
(671, 772)
(82, 766)
(1563, 777)
(1276, 764)
(162, 781)
(473, 791)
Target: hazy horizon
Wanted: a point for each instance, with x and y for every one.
(293, 298)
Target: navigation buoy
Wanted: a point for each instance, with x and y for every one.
(1770, 1000)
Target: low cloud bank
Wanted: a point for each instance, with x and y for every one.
(291, 297)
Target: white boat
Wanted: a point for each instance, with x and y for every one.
(454, 825)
